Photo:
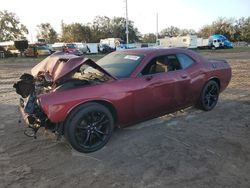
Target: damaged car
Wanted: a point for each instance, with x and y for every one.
(84, 100)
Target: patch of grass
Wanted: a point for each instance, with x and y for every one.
(230, 50)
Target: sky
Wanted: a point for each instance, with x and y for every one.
(189, 14)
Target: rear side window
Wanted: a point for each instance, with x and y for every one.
(185, 60)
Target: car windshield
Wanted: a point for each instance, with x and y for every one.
(120, 65)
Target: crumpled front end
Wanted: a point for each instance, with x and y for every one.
(29, 88)
(56, 73)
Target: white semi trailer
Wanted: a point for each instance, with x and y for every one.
(188, 41)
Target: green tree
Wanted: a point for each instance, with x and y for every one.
(238, 35)
(184, 32)
(101, 28)
(104, 27)
(206, 31)
(118, 25)
(10, 27)
(171, 31)
(75, 32)
(149, 38)
(46, 32)
(223, 26)
(242, 29)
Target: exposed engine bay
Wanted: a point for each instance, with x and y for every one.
(56, 73)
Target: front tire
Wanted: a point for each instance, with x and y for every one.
(209, 96)
(89, 127)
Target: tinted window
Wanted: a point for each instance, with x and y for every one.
(173, 63)
(156, 65)
(162, 64)
(120, 65)
(185, 60)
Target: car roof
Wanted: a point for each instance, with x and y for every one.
(151, 50)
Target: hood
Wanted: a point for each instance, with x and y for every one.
(60, 64)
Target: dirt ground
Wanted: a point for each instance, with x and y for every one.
(190, 148)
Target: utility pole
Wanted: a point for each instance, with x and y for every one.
(127, 21)
(31, 36)
(156, 27)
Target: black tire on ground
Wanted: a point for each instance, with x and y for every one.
(89, 127)
(209, 96)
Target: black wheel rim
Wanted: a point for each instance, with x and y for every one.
(92, 130)
(211, 96)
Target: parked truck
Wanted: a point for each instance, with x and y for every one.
(214, 41)
(111, 42)
(225, 43)
(188, 41)
(192, 41)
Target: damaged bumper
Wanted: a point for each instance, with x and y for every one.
(29, 119)
(32, 122)
(25, 117)
(34, 118)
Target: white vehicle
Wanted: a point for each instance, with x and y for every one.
(209, 43)
(202, 43)
(58, 46)
(83, 47)
(215, 43)
(93, 48)
(111, 42)
(188, 41)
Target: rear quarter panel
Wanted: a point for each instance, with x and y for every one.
(219, 69)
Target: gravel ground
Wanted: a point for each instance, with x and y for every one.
(190, 148)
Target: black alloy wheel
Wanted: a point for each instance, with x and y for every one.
(209, 96)
(89, 128)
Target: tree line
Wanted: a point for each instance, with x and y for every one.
(104, 27)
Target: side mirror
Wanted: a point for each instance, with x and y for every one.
(149, 77)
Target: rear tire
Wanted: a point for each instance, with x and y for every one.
(89, 127)
(209, 96)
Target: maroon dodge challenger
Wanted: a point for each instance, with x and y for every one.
(84, 101)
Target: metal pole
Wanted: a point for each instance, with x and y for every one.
(31, 36)
(127, 21)
(156, 27)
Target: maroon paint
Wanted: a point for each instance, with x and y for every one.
(137, 98)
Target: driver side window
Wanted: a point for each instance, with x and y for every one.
(156, 65)
(161, 64)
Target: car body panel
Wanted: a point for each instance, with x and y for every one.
(60, 64)
(83, 100)
(137, 98)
